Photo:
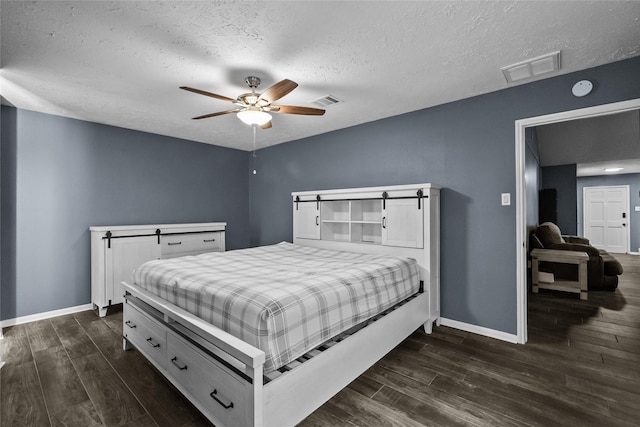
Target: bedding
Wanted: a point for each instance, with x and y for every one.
(284, 299)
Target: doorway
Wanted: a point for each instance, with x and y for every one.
(606, 217)
(521, 228)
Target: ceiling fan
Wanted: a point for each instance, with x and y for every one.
(254, 108)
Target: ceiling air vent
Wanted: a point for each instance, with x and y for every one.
(532, 67)
(326, 101)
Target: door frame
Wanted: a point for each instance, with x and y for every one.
(628, 206)
(521, 223)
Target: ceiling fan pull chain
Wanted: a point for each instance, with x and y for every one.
(254, 148)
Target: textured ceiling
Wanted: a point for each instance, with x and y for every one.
(121, 63)
(606, 138)
(594, 144)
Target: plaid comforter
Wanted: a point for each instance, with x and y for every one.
(285, 299)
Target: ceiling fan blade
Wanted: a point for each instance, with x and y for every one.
(220, 113)
(205, 93)
(266, 125)
(292, 109)
(278, 90)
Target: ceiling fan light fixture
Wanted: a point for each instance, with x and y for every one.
(254, 117)
(254, 108)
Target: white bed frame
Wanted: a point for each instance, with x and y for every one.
(223, 376)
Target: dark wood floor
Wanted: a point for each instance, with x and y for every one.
(580, 367)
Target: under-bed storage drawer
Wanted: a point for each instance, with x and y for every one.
(145, 333)
(191, 244)
(224, 396)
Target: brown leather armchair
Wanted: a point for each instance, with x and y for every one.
(602, 270)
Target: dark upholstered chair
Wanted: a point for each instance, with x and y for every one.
(602, 270)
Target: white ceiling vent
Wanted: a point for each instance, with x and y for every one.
(544, 64)
(326, 100)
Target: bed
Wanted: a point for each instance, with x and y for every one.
(264, 336)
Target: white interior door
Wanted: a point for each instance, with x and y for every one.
(606, 217)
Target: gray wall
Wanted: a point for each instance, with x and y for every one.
(7, 197)
(60, 176)
(563, 179)
(633, 181)
(467, 147)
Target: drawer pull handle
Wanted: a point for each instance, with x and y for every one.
(151, 343)
(129, 324)
(208, 240)
(174, 243)
(177, 365)
(213, 395)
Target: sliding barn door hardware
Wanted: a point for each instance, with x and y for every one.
(109, 235)
(385, 196)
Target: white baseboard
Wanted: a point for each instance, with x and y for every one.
(491, 333)
(45, 315)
